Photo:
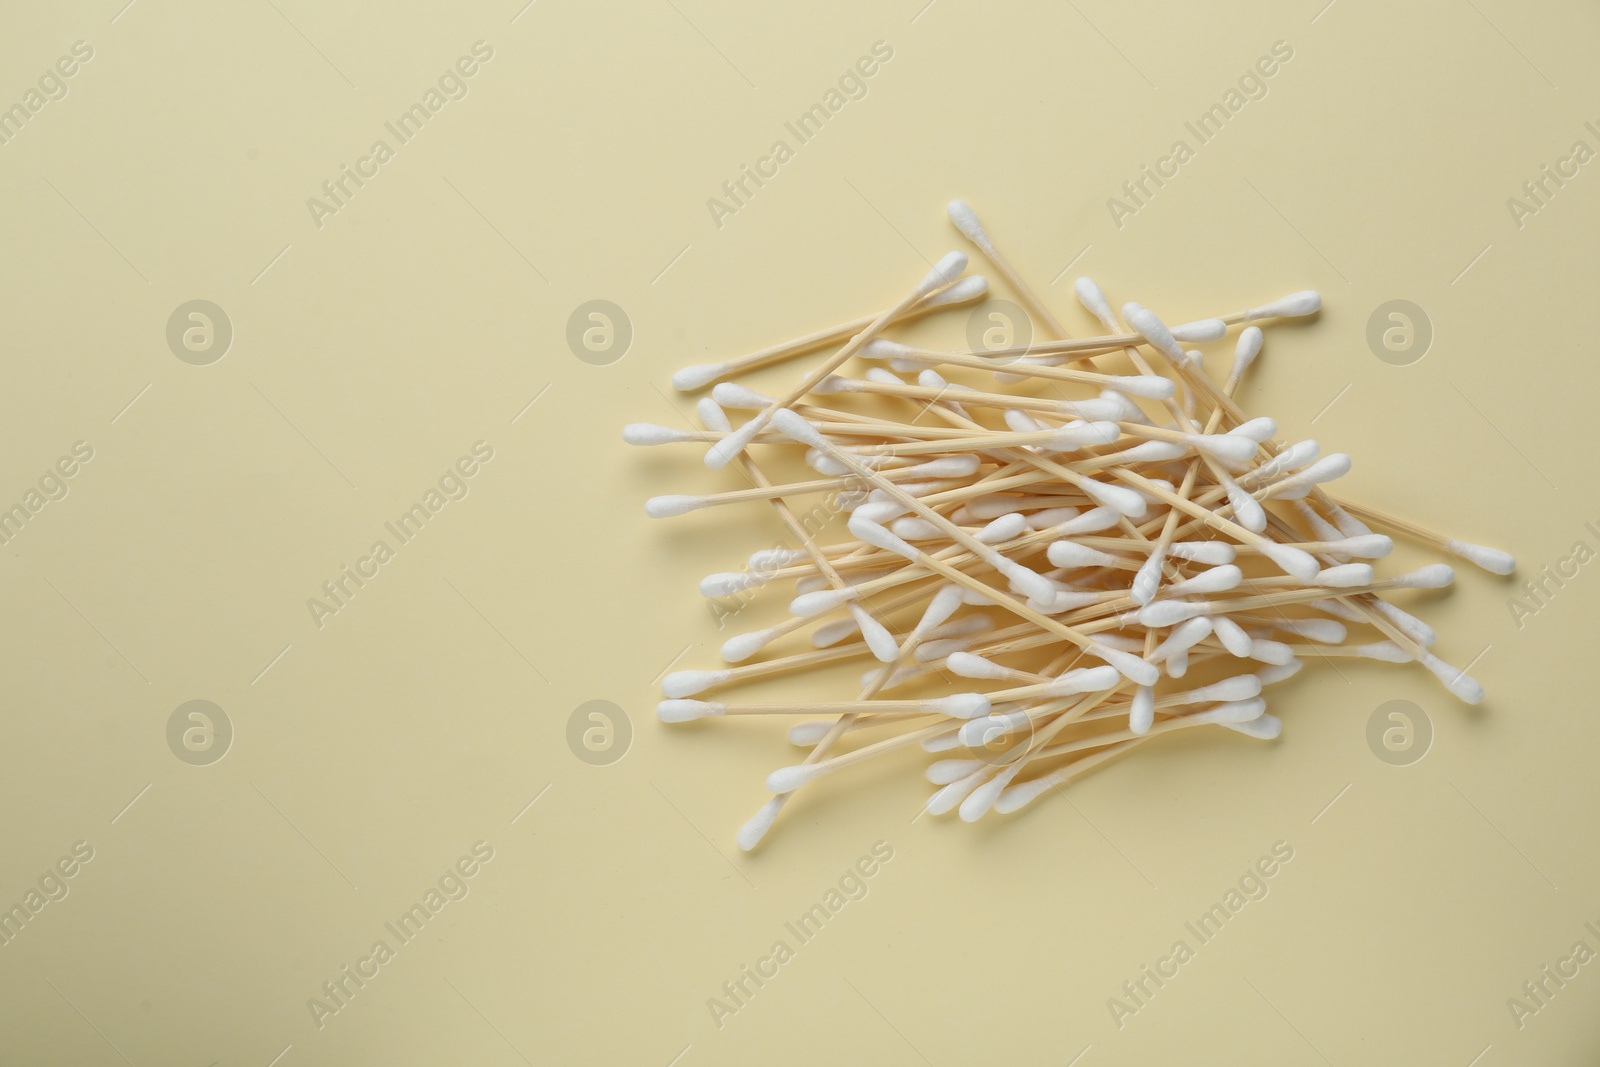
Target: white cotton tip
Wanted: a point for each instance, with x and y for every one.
(1160, 613)
(1094, 301)
(1079, 434)
(1433, 576)
(981, 732)
(1372, 546)
(1305, 302)
(1387, 651)
(808, 734)
(1406, 623)
(823, 463)
(938, 651)
(945, 603)
(1279, 672)
(945, 272)
(1462, 687)
(827, 635)
(1085, 680)
(941, 742)
(1091, 521)
(966, 220)
(1005, 528)
(740, 397)
(946, 799)
(981, 799)
(726, 583)
(741, 647)
(967, 665)
(1490, 559)
(962, 291)
(945, 771)
(1246, 510)
(1153, 452)
(1344, 576)
(1226, 447)
(1127, 410)
(812, 584)
(1122, 500)
(1031, 583)
(1178, 664)
(751, 833)
(977, 599)
(992, 506)
(878, 537)
(1265, 728)
(1322, 631)
(945, 467)
(698, 376)
(681, 684)
(880, 642)
(1200, 331)
(1257, 430)
(1289, 458)
(1348, 524)
(961, 705)
(1136, 670)
(687, 710)
(1147, 579)
(1326, 469)
(1266, 651)
(1098, 410)
(721, 454)
(649, 433)
(788, 779)
(1183, 637)
(795, 426)
(1246, 351)
(818, 601)
(832, 385)
(1234, 712)
(662, 507)
(1018, 797)
(1339, 609)
(1072, 554)
(1215, 580)
(1212, 553)
(1147, 386)
(1142, 711)
(1292, 561)
(1147, 324)
(884, 349)
(1232, 635)
(771, 559)
(711, 415)
(879, 511)
(1123, 642)
(1019, 421)
(912, 528)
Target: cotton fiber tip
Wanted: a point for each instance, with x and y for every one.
(1372, 546)
(1387, 651)
(1464, 688)
(1238, 687)
(1347, 523)
(1050, 517)
(944, 272)
(788, 779)
(1085, 433)
(879, 511)
(1266, 651)
(1257, 430)
(1266, 728)
(827, 635)
(726, 583)
(741, 647)
(1160, 613)
(1091, 521)
(687, 710)
(883, 348)
(1148, 325)
(966, 220)
(1294, 457)
(711, 415)
(969, 596)
(1215, 580)
(1406, 623)
(1183, 636)
(946, 799)
(940, 743)
(1305, 302)
(815, 583)
(1178, 664)
(1225, 446)
(1020, 796)
(929, 378)
(1094, 301)
(649, 433)
(662, 507)
(807, 734)
(798, 428)
(880, 641)
(1142, 711)
(1279, 672)
(1490, 559)
(1292, 561)
(698, 376)
(967, 665)
(771, 559)
(1031, 583)
(912, 528)
(833, 384)
(1344, 576)
(1200, 331)
(1326, 469)
(1323, 631)
(1127, 410)
(1071, 554)
(981, 799)
(1085, 680)
(945, 603)
(1147, 386)
(1232, 635)
(961, 705)
(945, 771)
(1018, 421)
(1237, 711)
(1119, 499)
(1147, 580)
(1003, 529)
(1433, 576)
(680, 684)
(1249, 513)
(1246, 351)
(1208, 552)
(751, 833)
(1091, 409)
(963, 290)
(815, 603)
(1131, 667)
(878, 537)
(721, 454)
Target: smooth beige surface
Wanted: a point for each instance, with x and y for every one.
(371, 753)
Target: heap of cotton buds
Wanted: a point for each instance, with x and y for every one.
(1077, 561)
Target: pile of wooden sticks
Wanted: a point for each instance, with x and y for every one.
(1062, 542)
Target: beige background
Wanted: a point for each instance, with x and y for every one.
(425, 716)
